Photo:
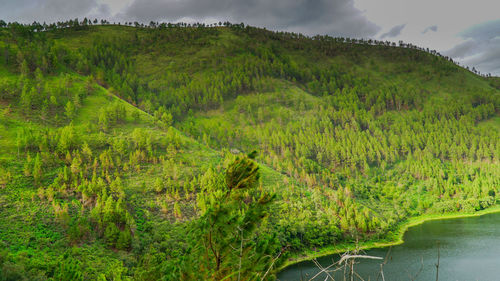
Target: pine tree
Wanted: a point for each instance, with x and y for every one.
(69, 110)
(37, 169)
(235, 210)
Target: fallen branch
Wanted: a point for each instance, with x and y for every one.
(346, 257)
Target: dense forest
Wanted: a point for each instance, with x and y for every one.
(217, 152)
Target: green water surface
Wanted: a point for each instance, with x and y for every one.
(469, 249)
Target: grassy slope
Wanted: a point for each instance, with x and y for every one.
(285, 100)
(28, 227)
(35, 229)
(375, 62)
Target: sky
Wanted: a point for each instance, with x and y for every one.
(467, 31)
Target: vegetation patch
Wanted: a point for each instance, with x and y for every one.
(188, 152)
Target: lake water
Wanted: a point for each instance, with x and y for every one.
(469, 250)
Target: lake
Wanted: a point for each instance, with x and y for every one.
(469, 250)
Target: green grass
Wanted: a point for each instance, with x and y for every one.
(493, 123)
(290, 125)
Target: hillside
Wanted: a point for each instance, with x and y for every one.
(115, 141)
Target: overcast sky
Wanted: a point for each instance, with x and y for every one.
(468, 31)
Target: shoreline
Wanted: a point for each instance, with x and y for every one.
(382, 243)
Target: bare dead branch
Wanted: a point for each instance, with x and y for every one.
(347, 257)
(420, 270)
(272, 264)
(361, 278)
(322, 270)
(437, 264)
(381, 273)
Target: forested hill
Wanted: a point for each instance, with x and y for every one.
(193, 152)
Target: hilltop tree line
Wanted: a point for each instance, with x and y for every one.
(109, 61)
(325, 42)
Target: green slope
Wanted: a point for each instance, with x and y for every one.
(30, 223)
(108, 133)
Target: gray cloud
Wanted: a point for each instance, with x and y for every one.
(433, 28)
(484, 31)
(51, 10)
(487, 60)
(463, 50)
(481, 48)
(395, 31)
(334, 17)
